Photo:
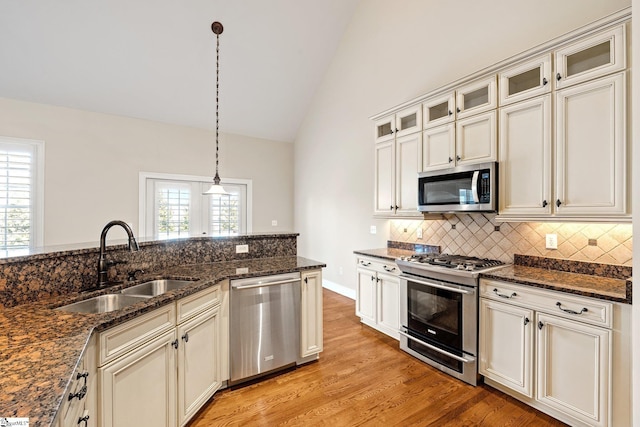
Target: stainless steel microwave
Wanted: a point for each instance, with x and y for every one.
(469, 188)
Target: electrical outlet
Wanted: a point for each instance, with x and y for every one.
(373, 229)
(274, 222)
(242, 249)
(419, 233)
(551, 241)
(340, 271)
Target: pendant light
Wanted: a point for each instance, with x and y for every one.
(216, 188)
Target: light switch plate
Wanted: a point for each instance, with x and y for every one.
(551, 241)
(373, 229)
(242, 249)
(419, 233)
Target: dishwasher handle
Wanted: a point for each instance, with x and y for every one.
(262, 285)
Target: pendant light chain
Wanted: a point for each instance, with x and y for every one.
(217, 177)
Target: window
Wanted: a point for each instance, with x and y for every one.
(21, 185)
(173, 206)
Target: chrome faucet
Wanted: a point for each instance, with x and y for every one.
(102, 262)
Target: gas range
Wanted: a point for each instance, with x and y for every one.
(453, 268)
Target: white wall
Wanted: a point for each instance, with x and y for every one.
(394, 51)
(93, 160)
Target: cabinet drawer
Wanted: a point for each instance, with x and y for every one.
(197, 303)
(380, 266)
(122, 338)
(578, 308)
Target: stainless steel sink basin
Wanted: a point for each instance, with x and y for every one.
(155, 287)
(103, 303)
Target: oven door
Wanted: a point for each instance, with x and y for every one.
(439, 324)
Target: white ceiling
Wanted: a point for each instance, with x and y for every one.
(155, 59)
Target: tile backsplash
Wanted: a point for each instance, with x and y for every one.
(482, 236)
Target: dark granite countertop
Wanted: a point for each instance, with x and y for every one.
(606, 288)
(41, 347)
(389, 254)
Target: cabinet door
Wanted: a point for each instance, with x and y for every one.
(525, 80)
(366, 295)
(573, 368)
(384, 178)
(439, 110)
(591, 57)
(198, 362)
(591, 148)
(385, 128)
(438, 147)
(525, 158)
(476, 139)
(476, 97)
(506, 345)
(311, 341)
(409, 120)
(408, 164)
(388, 294)
(140, 387)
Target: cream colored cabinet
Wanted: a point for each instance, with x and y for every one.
(78, 407)
(506, 345)
(591, 149)
(378, 295)
(567, 338)
(525, 80)
(311, 341)
(140, 387)
(591, 57)
(401, 123)
(438, 147)
(397, 163)
(439, 110)
(525, 158)
(573, 365)
(476, 97)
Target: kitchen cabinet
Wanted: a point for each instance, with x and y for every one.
(591, 149)
(590, 57)
(476, 97)
(78, 407)
(525, 80)
(161, 367)
(439, 110)
(401, 123)
(525, 158)
(378, 295)
(311, 341)
(552, 350)
(438, 147)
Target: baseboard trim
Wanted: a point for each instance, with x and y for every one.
(340, 289)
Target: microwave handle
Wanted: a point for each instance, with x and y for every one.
(474, 186)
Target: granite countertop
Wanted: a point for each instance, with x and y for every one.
(41, 347)
(606, 288)
(389, 254)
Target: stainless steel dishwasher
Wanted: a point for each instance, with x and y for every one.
(264, 325)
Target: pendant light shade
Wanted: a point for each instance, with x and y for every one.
(216, 188)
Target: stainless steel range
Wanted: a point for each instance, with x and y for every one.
(439, 311)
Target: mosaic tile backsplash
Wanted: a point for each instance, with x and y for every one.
(482, 236)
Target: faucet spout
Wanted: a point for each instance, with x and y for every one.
(102, 263)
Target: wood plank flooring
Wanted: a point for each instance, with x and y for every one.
(363, 379)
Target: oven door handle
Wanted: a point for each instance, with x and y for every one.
(468, 359)
(440, 286)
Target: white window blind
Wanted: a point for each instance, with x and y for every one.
(172, 209)
(20, 216)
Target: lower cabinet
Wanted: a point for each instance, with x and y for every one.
(78, 407)
(311, 313)
(160, 368)
(378, 295)
(553, 350)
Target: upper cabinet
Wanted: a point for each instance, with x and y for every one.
(525, 80)
(476, 97)
(600, 54)
(402, 123)
(439, 110)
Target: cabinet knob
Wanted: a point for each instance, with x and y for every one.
(450, 112)
(558, 203)
(458, 158)
(558, 77)
(544, 203)
(526, 321)
(396, 208)
(450, 160)
(373, 278)
(540, 325)
(458, 109)
(84, 420)
(391, 207)
(185, 337)
(544, 81)
(174, 344)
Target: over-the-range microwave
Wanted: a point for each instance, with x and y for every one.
(468, 188)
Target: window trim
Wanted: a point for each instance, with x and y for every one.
(37, 230)
(142, 194)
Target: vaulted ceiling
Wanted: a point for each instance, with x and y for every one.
(155, 59)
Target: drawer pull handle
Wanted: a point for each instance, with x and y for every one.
(79, 395)
(84, 420)
(366, 264)
(495, 291)
(388, 269)
(82, 375)
(584, 309)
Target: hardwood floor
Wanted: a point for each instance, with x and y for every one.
(363, 379)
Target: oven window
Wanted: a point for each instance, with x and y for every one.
(435, 313)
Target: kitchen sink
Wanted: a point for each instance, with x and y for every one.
(103, 303)
(155, 287)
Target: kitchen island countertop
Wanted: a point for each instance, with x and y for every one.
(40, 347)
